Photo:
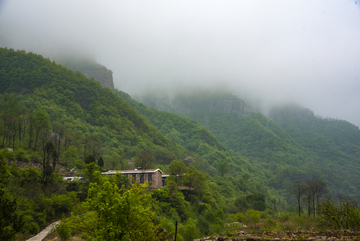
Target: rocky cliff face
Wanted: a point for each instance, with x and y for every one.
(103, 75)
(89, 68)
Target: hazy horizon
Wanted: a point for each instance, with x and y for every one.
(270, 52)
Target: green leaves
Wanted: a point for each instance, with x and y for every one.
(115, 212)
(11, 222)
(345, 215)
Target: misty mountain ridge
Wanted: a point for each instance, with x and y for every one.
(198, 99)
(292, 141)
(248, 141)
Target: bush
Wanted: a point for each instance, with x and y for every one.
(253, 216)
(189, 231)
(63, 231)
(270, 224)
(284, 217)
(6, 153)
(241, 217)
(21, 155)
(345, 215)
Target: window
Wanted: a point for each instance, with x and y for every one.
(133, 178)
(149, 177)
(141, 177)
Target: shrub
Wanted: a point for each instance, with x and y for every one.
(241, 217)
(21, 155)
(270, 224)
(345, 215)
(63, 231)
(253, 216)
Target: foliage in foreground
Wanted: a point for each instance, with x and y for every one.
(114, 213)
(340, 216)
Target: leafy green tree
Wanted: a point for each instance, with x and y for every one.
(189, 231)
(90, 170)
(41, 122)
(63, 231)
(71, 155)
(253, 216)
(241, 204)
(177, 170)
(223, 167)
(92, 146)
(257, 201)
(101, 162)
(11, 222)
(114, 213)
(144, 159)
(5, 174)
(54, 156)
(89, 159)
(60, 131)
(27, 176)
(194, 179)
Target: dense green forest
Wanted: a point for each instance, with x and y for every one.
(53, 119)
(334, 144)
(285, 147)
(32, 86)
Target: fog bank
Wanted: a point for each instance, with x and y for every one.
(266, 51)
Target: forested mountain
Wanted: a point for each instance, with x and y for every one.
(287, 148)
(52, 118)
(89, 112)
(334, 144)
(226, 159)
(234, 174)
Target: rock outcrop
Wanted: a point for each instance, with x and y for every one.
(90, 68)
(103, 75)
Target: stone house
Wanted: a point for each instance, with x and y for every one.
(153, 176)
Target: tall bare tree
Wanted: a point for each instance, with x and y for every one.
(298, 190)
(315, 190)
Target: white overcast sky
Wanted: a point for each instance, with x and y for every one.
(306, 51)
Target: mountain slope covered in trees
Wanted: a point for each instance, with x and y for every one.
(235, 175)
(52, 118)
(90, 113)
(283, 148)
(334, 144)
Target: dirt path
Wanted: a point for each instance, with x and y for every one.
(40, 236)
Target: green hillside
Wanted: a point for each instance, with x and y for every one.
(234, 174)
(226, 164)
(87, 111)
(53, 119)
(335, 144)
(283, 149)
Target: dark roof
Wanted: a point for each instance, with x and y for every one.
(112, 172)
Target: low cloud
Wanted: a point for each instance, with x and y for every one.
(266, 51)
